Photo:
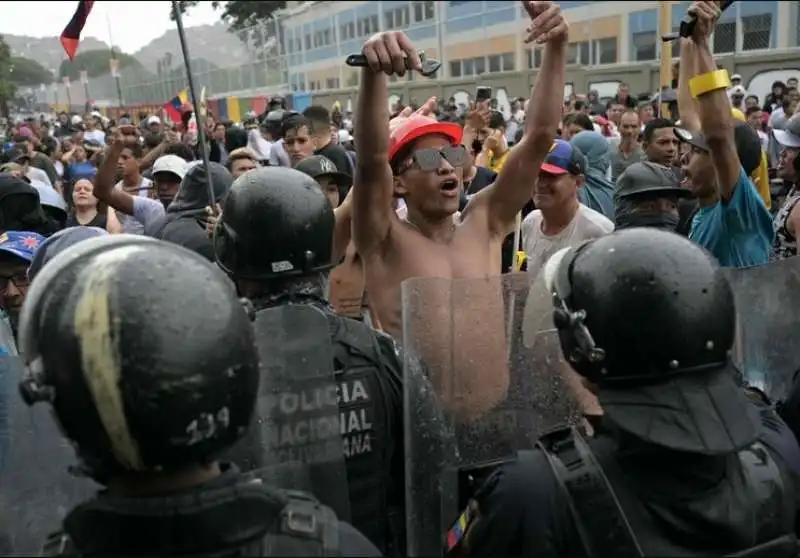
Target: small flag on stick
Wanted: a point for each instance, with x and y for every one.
(71, 36)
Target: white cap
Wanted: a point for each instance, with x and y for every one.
(738, 90)
(153, 120)
(76, 119)
(171, 163)
(790, 135)
(96, 114)
(736, 76)
(344, 136)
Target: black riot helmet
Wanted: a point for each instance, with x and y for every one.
(141, 378)
(641, 305)
(276, 223)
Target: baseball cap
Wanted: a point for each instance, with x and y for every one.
(344, 136)
(319, 165)
(59, 242)
(22, 244)
(647, 177)
(153, 120)
(17, 154)
(417, 126)
(172, 164)
(790, 135)
(734, 77)
(738, 90)
(748, 144)
(563, 158)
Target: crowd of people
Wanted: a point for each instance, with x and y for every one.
(123, 256)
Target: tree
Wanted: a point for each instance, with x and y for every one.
(29, 73)
(95, 62)
(239, 14)
(7, 87)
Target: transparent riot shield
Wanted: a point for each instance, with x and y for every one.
(37, 487)
(767, 351)
(475, 394)
(296, 428)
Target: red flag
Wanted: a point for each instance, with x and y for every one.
(71, 35)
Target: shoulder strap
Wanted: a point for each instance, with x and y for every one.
(599, 519)
(306, 528)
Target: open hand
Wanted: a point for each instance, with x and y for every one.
(707, 14)
(392, 53)
(547, 23)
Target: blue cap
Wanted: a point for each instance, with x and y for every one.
(59, 242)
(22, 244)
(564, 158)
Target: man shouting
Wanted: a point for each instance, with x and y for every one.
(420, 161)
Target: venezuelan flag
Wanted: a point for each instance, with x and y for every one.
(173, 106)
(71, 36)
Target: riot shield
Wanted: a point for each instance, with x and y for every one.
(474, 392)
(767, 351)
(297, 417)
(37, 488)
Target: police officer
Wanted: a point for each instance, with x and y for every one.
(149, 408)
(677, 467)
(275, 238)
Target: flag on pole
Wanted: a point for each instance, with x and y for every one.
(71, 36)
(173, 106)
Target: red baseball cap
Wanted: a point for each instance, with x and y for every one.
(418, 126)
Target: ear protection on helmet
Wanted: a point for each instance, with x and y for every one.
(577, 343)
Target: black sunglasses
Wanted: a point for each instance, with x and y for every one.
(430, 159)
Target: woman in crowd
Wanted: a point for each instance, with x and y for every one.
(87, 211)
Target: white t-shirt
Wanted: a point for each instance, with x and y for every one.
(97, 135)
(130, 224)
(586, 224)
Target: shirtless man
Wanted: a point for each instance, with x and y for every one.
(420, 162)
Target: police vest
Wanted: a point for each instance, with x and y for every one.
(304, 528)
(368, 374)
(611, 520)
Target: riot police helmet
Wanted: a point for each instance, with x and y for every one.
(276, 223)
(649, 318)
(141, 377)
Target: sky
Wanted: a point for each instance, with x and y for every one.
(133, 24)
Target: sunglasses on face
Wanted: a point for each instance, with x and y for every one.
(431, 159)
(19, 279)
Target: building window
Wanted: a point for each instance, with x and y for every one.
(605, 51)
(468, 67)
(455, 68)
(352, 79)
(725, 37)
(644, 46)
(308, 42)
(572, 53)
(495, 64)
(508, 60)
(332, 83)
(367, 25)
(480, 65)
(396, 18)
(756, 32)
(676, 45)
(424, 11)
(348, 31)
(585, 53)
(534, 58)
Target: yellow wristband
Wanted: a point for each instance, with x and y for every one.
(706, 83)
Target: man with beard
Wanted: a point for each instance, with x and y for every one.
(421, 161)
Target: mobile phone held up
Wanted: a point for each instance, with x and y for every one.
(483, 93)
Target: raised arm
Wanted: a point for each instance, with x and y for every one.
(687, 106)
(709, 87)
(512, 190)
(104, 189)
(373, 190)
